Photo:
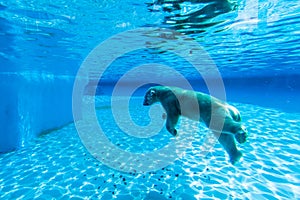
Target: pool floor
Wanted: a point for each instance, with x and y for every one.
(58, 166)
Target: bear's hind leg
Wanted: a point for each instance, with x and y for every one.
(228, 143)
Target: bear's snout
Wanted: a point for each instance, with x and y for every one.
(145, 103)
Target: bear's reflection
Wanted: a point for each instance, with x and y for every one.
(192, 16)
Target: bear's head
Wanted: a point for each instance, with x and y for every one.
(150, 97)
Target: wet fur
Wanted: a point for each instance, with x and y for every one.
(199, 106)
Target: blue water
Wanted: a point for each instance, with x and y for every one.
(247, 53)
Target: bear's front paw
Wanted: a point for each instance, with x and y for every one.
(241, 135)
(174, 132)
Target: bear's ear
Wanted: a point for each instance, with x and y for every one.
(152, 92)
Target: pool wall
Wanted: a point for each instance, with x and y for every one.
(31, 105)
(279, 92)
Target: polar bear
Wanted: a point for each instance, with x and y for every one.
(223, 119)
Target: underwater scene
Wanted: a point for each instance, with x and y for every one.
(150, 99)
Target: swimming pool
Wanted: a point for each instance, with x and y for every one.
(101, 56)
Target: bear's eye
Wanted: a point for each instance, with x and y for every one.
(152, 92)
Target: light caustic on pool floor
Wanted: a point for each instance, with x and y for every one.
(57, 165)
